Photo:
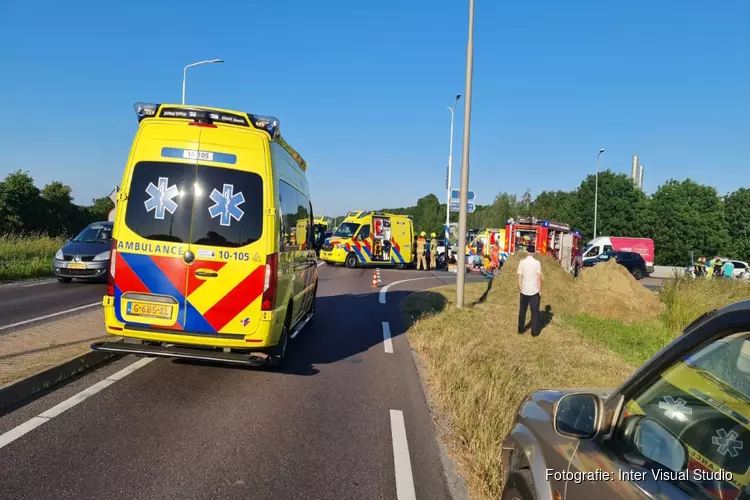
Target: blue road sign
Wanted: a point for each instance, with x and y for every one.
(470, 207)
(455, 195)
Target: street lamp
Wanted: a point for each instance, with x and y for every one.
(452, 109)
(464, 191)
(596, 189)
(184, 72)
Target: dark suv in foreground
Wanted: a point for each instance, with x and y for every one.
(632, 261)
(679, 427)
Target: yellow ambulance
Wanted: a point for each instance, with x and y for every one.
(366, 238)
(200, 265)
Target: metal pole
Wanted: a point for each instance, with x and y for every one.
(184, 76)
(464, 192)
(450, 175)
(596, 189)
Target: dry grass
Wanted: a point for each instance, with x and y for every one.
(479, 370)
(687, 298)
(601, 327)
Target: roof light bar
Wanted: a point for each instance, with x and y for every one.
(145, 109)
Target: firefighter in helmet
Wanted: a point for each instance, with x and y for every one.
(421, 244)
(433, 251)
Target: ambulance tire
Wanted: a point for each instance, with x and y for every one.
(278, 354)
(401, 266)
(351, 260)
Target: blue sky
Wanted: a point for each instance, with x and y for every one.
(362, 89)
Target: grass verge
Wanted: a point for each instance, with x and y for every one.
(27, 256)
(479, 370)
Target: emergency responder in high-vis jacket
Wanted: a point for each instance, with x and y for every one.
(421, 244)
(433, 251)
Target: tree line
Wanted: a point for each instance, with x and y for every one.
(26, 209)
(681, 216)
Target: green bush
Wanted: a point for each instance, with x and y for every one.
(27, 256)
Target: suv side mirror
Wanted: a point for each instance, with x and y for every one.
(578, 415)
(649, 439)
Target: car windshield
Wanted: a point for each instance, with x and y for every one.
(95, 233)
(346, 230)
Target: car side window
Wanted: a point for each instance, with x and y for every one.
(704, 401)
(364, 233)
(608, 248)
(593, 252)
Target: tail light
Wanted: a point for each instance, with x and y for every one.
(270, 283)
(111, 273)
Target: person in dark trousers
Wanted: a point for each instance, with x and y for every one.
(530, 288)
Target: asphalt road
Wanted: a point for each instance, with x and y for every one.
(25, 301)
(346, 418)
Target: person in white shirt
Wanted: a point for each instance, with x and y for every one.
(530, 287)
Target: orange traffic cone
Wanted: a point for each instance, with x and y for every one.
(374, 279)
(377, 272)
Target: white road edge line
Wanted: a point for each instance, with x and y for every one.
(321, 263)
(387, 342)
(37, 283)
(40, 318)
(44, 417)
(384, 290)
(401, 459)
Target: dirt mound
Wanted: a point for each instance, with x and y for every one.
(608, 290)
(557, 284)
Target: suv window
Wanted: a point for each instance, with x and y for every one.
(704, 400)
(156, 210)
(738, 264)
(225, 206)
(623, 257)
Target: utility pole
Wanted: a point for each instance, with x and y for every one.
(596, 189)
(448, 184)
(464, 191)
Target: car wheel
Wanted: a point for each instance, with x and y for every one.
(520, 486)
(401, 266)
(351, 260)
(64, 280)
(637, 273)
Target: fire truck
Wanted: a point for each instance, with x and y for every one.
(549, 238)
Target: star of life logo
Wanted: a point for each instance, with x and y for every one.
(727, 442)
(226, 205)
(161, 200)
(675, 409)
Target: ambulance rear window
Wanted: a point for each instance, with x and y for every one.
(185, 203)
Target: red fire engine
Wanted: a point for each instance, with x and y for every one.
(550, 238)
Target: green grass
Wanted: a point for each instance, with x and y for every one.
(635, 343)
(27, 256)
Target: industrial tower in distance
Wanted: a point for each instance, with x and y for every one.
(637, 173)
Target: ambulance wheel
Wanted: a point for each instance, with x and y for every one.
(351, 260)
(277, 356)
(64, 280)
(401, 266)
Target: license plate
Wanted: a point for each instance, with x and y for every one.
(74, 265)
(149, 310)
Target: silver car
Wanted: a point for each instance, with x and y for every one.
(679, 427)
(86, 256)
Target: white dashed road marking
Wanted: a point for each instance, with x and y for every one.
(401, 459)
(37, 283)
(387, 338)
(69, 403)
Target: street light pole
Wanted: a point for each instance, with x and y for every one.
(450, 175)
(184, 72)
(596, 189)
(464, 191)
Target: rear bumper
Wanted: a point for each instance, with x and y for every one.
(183, 352)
